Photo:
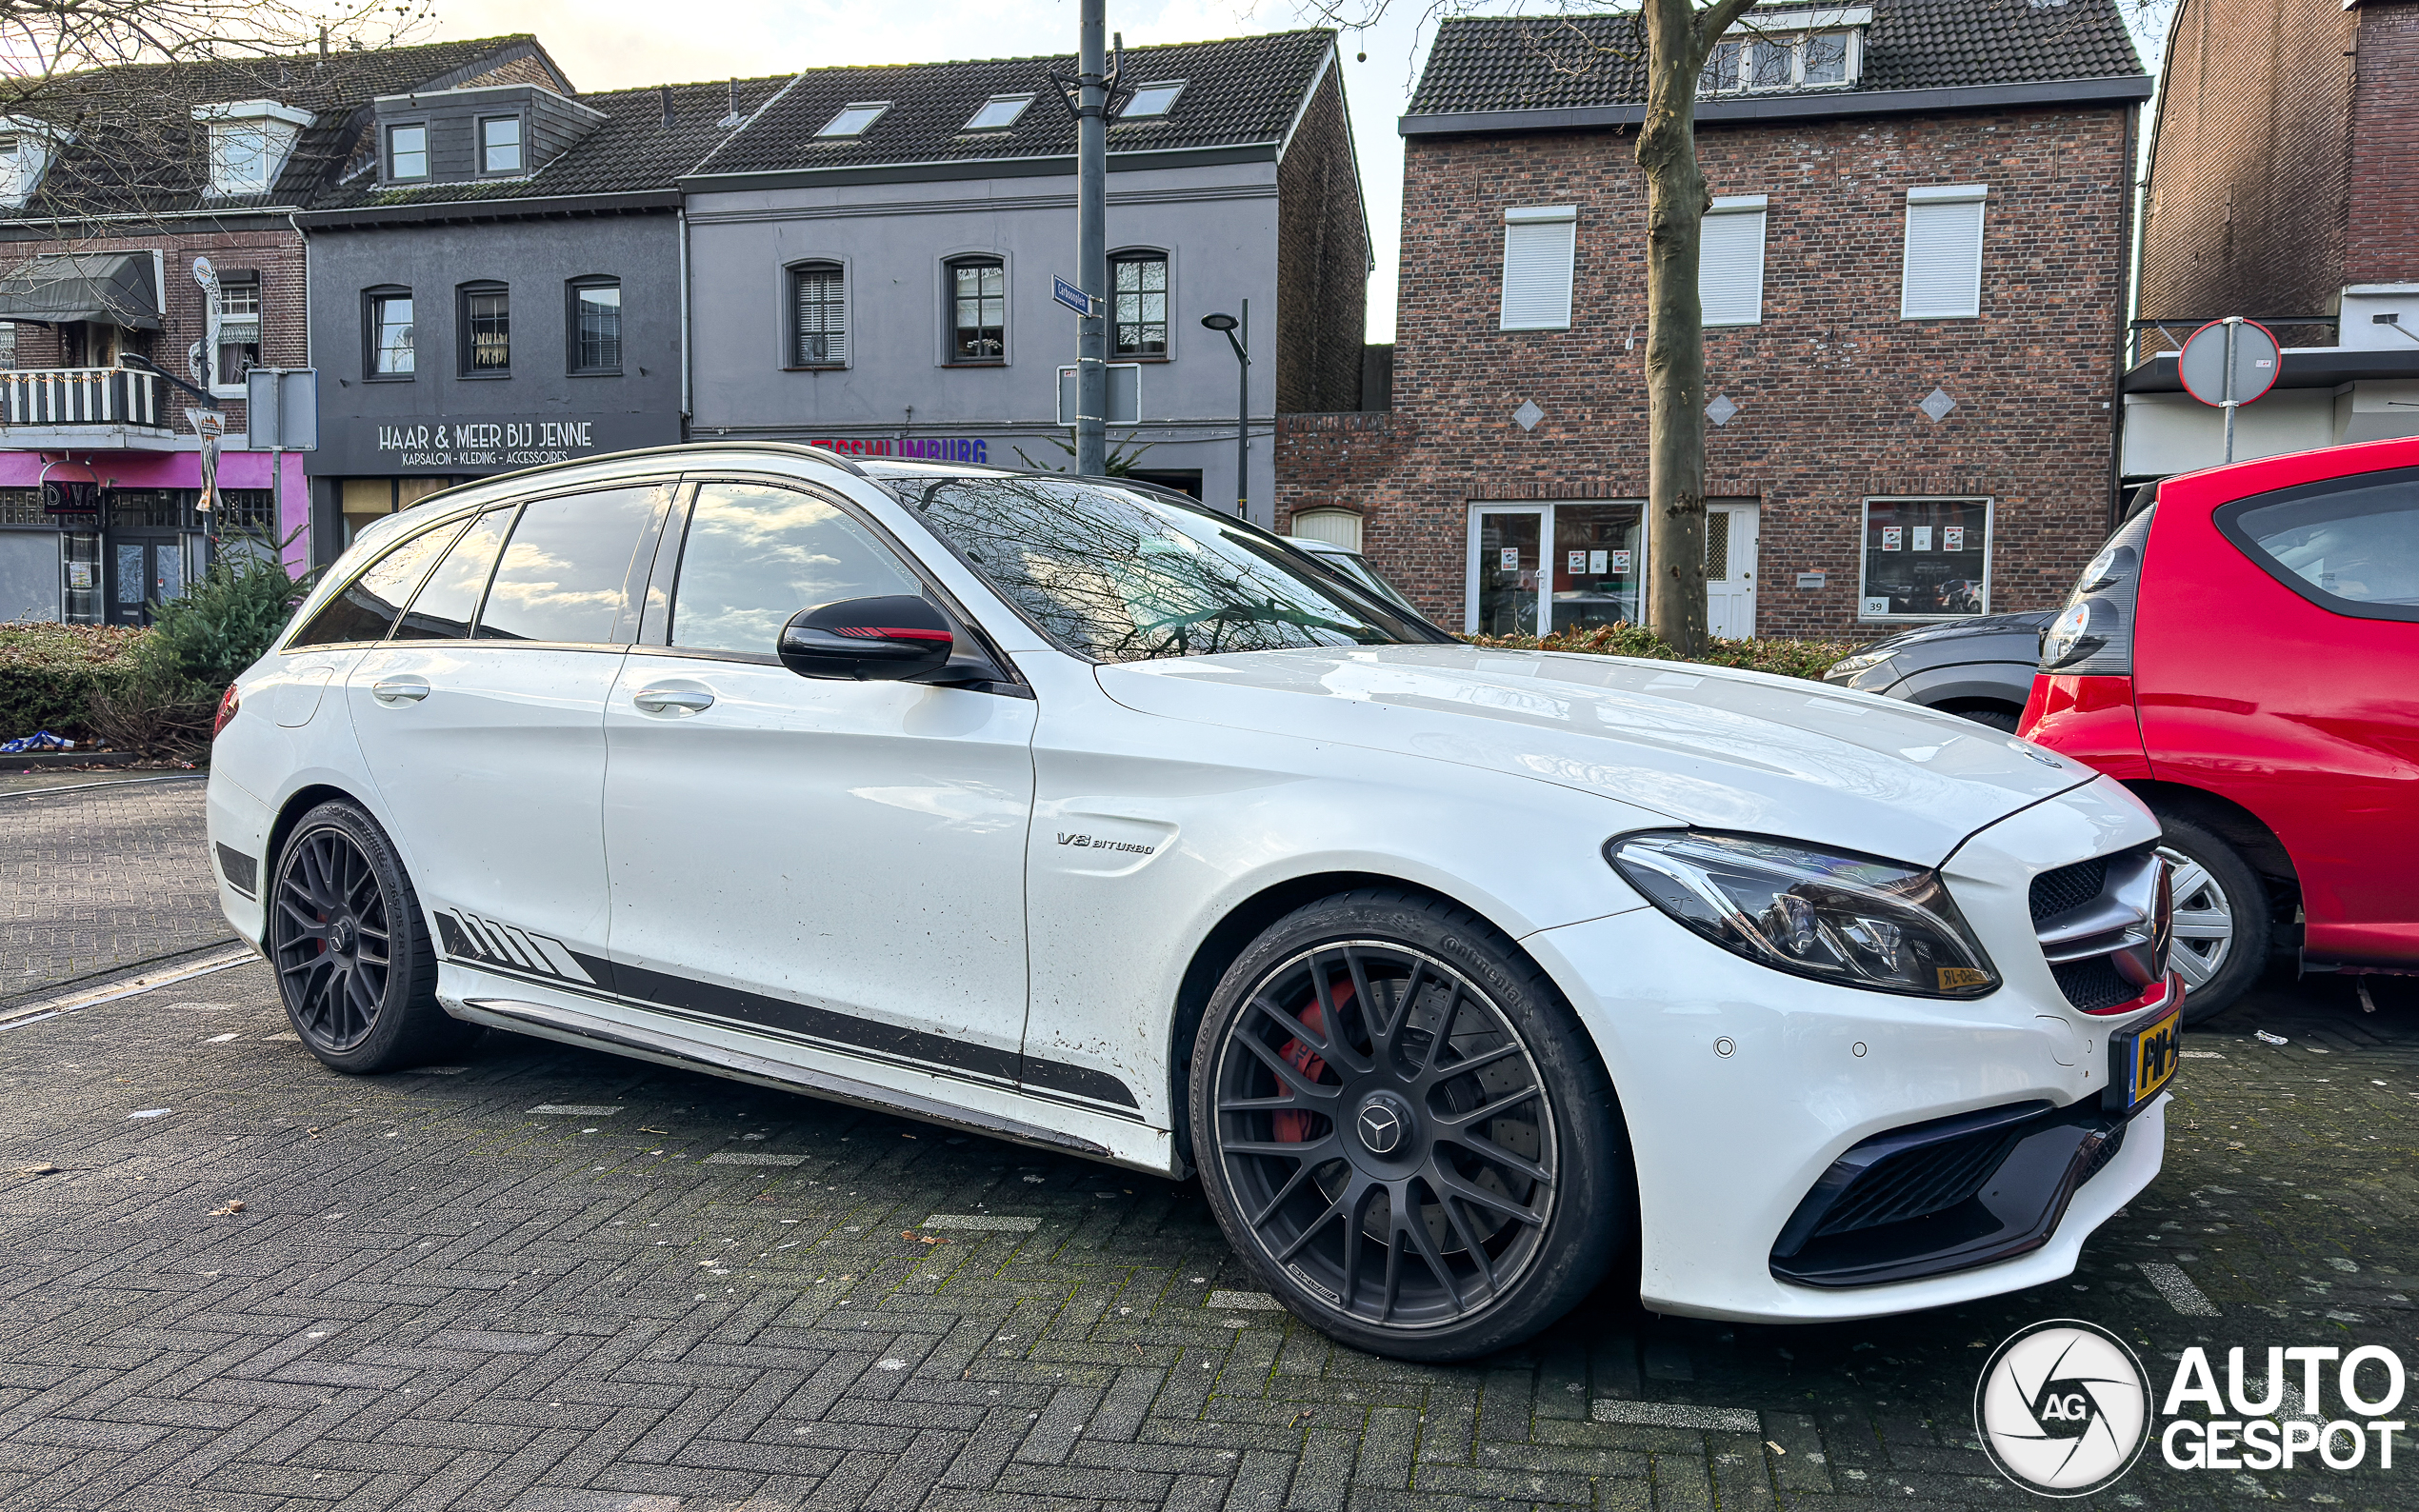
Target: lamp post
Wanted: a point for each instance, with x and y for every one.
(1226, 325)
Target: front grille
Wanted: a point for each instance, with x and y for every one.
(1918, 1183)
(2097, 1160)
(2067, 888)
(2093, 984)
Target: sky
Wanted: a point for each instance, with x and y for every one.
(623, 43)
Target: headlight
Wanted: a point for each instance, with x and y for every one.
(1838, 917)
(1862, 661)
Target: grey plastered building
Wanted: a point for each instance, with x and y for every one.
(496, 285)
(872, 258)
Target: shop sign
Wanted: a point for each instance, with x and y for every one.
(911, 449)
(487, 444)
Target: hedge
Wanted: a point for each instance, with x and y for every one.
(1787, 658)
(49, 673)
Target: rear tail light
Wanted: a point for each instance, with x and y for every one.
(2093, 634)
(227, 703)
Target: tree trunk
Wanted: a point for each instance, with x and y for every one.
(1678, 37)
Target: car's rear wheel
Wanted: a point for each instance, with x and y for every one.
(1402, 1128)
(2221, 917)
(355, 967)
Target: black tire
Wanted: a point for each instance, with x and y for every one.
(355, 967)
(1511, 1154)
(2214, 886)
(1998, 716)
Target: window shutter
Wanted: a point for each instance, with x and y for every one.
(1539, 243)
(1943, 279)
(1730, 262)
(822, 332)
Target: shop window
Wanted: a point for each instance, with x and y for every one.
(1540, 249)
(818, 316)
(486, 325)
(1138, 289)
(387, 333)
(1925, 559)
(978, 310)
(595, 325)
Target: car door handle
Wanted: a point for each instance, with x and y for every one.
(399, 690)
(661, 699)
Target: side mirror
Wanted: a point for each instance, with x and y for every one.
(878, 639)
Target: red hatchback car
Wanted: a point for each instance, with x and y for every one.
(2244, 654)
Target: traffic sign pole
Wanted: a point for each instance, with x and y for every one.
(2233, 323)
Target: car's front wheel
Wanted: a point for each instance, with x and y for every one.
(354, 963)
(2221, 937)
(1401, 1127)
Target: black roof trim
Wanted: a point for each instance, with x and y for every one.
(437, 212)
(973, 167)
(2304, 367)
(1780, 107)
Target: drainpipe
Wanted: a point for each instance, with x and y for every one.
(680, 217)
(2128, 285)
(277, 461)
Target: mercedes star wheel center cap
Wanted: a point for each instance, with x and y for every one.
(1382, 1122)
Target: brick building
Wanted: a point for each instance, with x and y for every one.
(1913, 283)
(111, 184)
(2281, 190)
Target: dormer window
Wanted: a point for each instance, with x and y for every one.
(1151, 100)
(249, 140)
(406, 152)
(500, 143)
(999, 113)
(27, 147)
(853, 120)
(1793, 49)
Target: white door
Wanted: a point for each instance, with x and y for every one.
(1730, 569)
(484, 728)
(839, 864)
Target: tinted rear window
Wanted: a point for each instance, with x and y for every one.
(443, 608)
(366, 606)
(2348, 544)
(567, 567)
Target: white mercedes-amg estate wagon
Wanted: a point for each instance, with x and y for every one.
(1082, 815)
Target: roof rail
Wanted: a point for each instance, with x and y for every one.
(822, 454)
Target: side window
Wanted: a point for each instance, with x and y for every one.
(565, 570)
(366, 606)
(443, 608)
(2348, 544)
(758, 554)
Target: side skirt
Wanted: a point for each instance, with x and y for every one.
(573, 1027)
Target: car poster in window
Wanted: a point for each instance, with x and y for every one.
(1923, 558)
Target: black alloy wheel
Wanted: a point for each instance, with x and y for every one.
(354, 964)
(1386, 1140)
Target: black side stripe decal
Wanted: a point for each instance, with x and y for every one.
(498, 946)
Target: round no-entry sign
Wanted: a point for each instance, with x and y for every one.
(2229, 362)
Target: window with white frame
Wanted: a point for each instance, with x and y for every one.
(238, 331)
(407, 151)
(500, 143)
(249, 141)
(854, 119)
(1943, 275)
(26, 148)
(1773, 55)
(1730, 261)
(1540, 243)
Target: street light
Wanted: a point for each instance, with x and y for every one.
(1226, 325)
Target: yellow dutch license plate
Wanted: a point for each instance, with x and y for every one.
(2153, 1057)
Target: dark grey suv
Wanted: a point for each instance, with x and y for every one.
(1980, 668)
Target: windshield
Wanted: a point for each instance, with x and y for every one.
(1121, 575)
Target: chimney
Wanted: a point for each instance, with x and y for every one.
(323, 41)
(732, 120)
(665, 92)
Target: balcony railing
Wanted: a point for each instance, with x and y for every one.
(49, 397)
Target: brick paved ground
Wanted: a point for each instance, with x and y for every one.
(101, 877)
(679, 1292)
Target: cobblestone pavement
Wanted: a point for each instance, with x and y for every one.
(102, 877)
(552, 1280)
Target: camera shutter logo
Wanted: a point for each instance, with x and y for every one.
(2063, 1408)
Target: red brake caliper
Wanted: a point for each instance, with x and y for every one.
(1293, 1127)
